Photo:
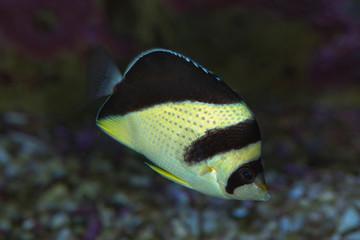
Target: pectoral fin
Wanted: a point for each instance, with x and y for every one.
(169, 176)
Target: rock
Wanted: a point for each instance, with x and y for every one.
(357, 203)
(5, 225)
(4, 155)
(28, 224)
(350, 220)
(87, 190)
(140, 181)
(353, 236)
(107, 216)
(16, 118)
(327, 196)
(240, 212)
(336, 237)
(59, 220)
(294, 224)
(55, 197)
(121, 199)
(210, 223)
(179, 229)
(191, 219)
(297, 191)
(65, 234)
(29, 145)
(329, 211)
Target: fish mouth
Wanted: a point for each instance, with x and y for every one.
(261, 188)
(265, 195)
(255, 191)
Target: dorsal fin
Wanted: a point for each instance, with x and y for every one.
(161, 76)
(102, 74)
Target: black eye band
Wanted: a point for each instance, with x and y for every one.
(245, 174)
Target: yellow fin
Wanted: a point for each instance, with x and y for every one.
(117, 128)
(169, 176)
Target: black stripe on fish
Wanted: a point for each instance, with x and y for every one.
(245, 174)
(163, 76)
(217, 141)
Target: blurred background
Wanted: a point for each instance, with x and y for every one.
(296, 64)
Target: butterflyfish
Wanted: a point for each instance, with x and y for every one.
(195, 129)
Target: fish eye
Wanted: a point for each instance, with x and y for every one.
(246, 174)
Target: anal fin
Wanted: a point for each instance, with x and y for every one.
(169, 176)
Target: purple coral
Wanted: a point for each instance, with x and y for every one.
(94, 229)
(338, 59)
(46, 29)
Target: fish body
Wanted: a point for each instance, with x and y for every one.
(195, 129)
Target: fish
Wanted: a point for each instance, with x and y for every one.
(191, 126)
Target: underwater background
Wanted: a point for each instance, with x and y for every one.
(296, 64)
